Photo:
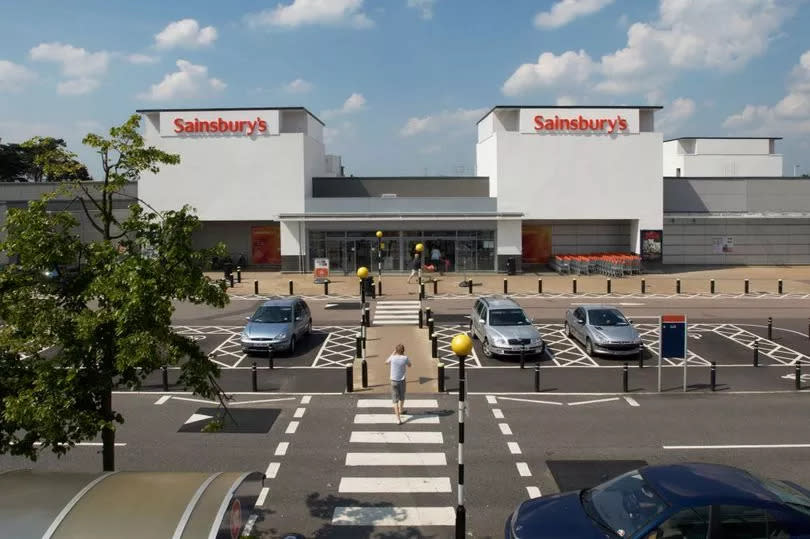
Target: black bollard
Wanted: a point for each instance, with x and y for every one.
(230, 278)
(254, 381)
(421, 324)
(349, 378)
(256, 287)
(364, 372)
(746, 286)
(435, 287)
(441, 377)
(238, 274)
(539, 286)
(363, 292)
(608, 286)
(506, 286)
(537, 378)
(326, 288)
(798, 376)
(624, 378)
(165, 372)
(470, 286)
(641, 357)
(367, 314)
(770, 328)
(358, 346)
(643, 286)
(808, 328)
(421, 290)
(430, 326)
(677, 286)
(713, 376)
(271, 364)
(291, 287)
(434, 346)
(574, 285)
(779, 289)
(428, 316)
(379, 286)
(522, 357)
(756, 353)
(711, 286)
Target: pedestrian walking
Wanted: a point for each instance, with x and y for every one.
(416, 268)
(399, 364)
(436, 259)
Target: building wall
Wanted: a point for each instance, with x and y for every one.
(736, 195)
(704, 157)
(692, 240)
(400, 186)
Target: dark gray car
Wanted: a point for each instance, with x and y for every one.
(278, 323)
(504, 329)
(602, 329)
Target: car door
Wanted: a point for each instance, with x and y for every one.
(691, 523)
(482, 323)
(299, 318)
(578, 327)
(474, 316)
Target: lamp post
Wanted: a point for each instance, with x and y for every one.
(379, 235)
(461, 346)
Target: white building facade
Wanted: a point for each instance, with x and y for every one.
(722, 157)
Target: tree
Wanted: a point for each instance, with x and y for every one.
(40, 159)
(68, 342)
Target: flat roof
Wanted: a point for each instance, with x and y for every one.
(140, 111)
(636, 107)
(723, 138)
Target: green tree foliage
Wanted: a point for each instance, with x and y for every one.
(105, 322)
(40, 159)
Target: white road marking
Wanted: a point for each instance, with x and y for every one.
(396, 437)
(236, 403)
(272, 470)
(631, 401)
(86, 444)
(593, 401)
(534, 492)
(163, 399)
(320, 352)
(281, 449)
(299, 412)
(306, 399)
(194, 400)
(386, 403)
(394, 516)
(390, 419)
(491, 399)
(523, 469)
(514, 448)
(197, 417)
(742, 446)
(394, 484)
(248, 529)
(396, 459)
(531, 400)
(262, 496)
(498, 413)
(505, 428)
(292, 427)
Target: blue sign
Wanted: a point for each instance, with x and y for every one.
(673, 336)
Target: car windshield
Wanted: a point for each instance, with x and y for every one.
(788, 494)
(606, 317)
(507, 317)
(272, 315)
(623, 504)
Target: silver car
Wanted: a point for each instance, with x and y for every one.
(277, 323)
(603, 330)
(504, 329)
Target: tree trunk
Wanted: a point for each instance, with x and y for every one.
(108, 433)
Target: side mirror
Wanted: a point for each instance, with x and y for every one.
(581, 320)
(629, 320)
(247, 318)
(299, 318)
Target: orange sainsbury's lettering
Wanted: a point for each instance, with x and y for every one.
(580, 123)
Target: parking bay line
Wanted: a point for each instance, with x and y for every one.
(531, 400)
(262, 496)
(236, 403)
(292, 427)
(741, 446)
(320, 352)
(534, 492)
(272, 470)
(631, 401)
(593, 401)
(163, 399)
(523, 469)
(281, 450)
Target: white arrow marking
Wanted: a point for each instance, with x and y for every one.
(531, 400)
(197, 417)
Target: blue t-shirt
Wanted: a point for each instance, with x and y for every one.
(398, 366)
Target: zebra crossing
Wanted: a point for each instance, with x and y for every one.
(384, 468)
(396, 313)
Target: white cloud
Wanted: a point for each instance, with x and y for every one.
(338, 133)
(13, 77)
(565, 11)
(566, 101)
(185, 33)
(791, 114)
(675, 114)
(78, 86)
(570, 69)
(75, 62)
(298, 86)
(189, 81)
(354, 103)
(311, 12)
(445, 120)
(141, 59)
(425, 7)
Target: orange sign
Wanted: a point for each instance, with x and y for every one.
(265, 244)
(536, 241)
(321, 266)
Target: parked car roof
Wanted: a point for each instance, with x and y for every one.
(497, 302)
(703, 484)
(591, 306)
(283, 301)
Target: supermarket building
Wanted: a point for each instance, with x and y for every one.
(549, 180)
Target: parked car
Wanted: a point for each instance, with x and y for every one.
(504, 329)
(278, 323)
(670, 501)
(602, 329)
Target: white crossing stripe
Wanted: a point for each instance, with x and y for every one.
(534, 492)
(514, 448)
(396, 459)
(386, 403)
(306, 399)
(394, 516)
(491, 399)
(299, 412)
(398, 302)
(394, 484)
(396, 312)
(505, 428)
(392, 322)
(272, 470)
(262, 496)
(523, 469)
(396, 437)
(631, 401)
(281, 450)
(292, 427)
(390, 419)
(498, 413)
(163, 399)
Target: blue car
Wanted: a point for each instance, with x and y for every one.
(683, 501)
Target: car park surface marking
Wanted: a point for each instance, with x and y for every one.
(338, 350)
(445, 335)
(742, 446)
(523, 469)
(533, 492)
(631, 401)
(535, 401)
(491, 399)
(163, 399)
(272, 470)
(306, 399)
(262, 496)
(505, 430)
(281, 449)
(595, 401)
(498, 413)
(514, 448)
(292, 427)
(262, 401)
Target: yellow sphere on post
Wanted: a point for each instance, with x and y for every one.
(379, 234)
(362, 272)
(461, 344)
(419, 248)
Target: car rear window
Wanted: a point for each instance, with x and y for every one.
(272, 315)
(507, 317)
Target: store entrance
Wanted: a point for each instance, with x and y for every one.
(362, 253)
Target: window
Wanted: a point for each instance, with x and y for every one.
(606, 317)
(742, 522)
(484, 313)
(686, 524)
(678, 172)
(272, 315)
(625, 504)
(579, 314)
(508, 317)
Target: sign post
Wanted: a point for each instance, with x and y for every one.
(672, 335)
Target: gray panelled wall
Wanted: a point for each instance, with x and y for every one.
(582, 237)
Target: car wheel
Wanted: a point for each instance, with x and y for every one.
(291, 351)
(487, 350)
(568, 330)
(589, 347)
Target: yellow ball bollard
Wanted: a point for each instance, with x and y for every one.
(362, 272)
(379, 234)
(461, 344)
(419, 248)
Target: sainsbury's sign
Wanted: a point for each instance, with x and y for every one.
(230, 123)
(579, 121)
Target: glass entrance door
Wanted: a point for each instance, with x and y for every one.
(361, 253)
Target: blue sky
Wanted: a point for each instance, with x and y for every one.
(401, 83)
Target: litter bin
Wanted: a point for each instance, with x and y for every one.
(368, 287)
(511, 268)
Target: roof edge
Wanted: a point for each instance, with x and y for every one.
(223, 109)
(637, 107)
(722, 138)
